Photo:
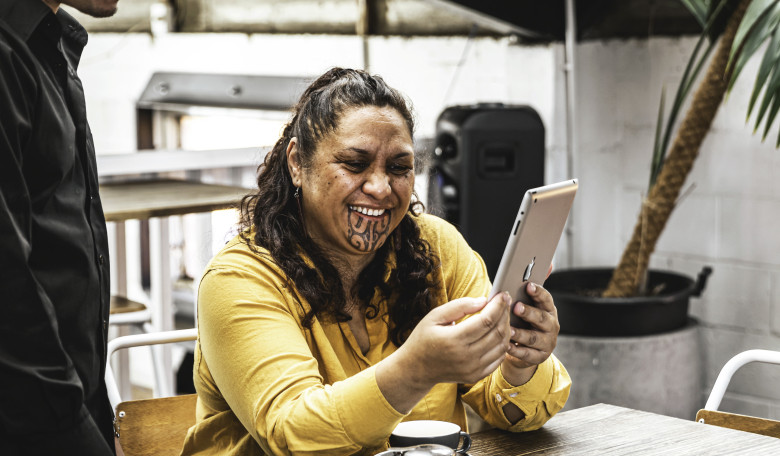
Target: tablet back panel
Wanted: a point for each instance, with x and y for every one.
(534, 237)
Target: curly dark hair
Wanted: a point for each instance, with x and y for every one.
(274, 213)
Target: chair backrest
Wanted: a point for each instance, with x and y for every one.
(155, 427)
(710, 414)
(752, 424)
(150, 427)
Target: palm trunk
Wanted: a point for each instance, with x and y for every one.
(660, 202)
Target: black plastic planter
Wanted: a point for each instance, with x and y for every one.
(584, 315)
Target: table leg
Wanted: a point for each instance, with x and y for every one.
(161, 294)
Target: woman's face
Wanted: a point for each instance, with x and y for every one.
(359, 184)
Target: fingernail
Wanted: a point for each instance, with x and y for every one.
(520, 307)
(532, 287)
(507, 298)
(512, 333)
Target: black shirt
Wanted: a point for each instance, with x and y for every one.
(54, 290)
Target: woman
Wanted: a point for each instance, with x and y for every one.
(341, 310)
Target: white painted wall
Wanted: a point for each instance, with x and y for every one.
(728, 221)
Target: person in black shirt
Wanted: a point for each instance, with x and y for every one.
(54, 276)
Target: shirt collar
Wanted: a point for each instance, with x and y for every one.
(24, 16)
(72, 28)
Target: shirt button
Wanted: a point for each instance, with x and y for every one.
(105, 325)
(498, 398)
(513, 395)
(101, 260)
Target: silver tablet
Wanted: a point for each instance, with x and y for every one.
(532, 241)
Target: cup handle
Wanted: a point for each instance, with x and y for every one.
(466, 443)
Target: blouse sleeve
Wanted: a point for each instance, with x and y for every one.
(539, 399)
(259, 358)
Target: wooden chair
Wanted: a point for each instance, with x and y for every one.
(150, 427)
(710, 414)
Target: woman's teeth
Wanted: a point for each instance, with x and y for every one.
(366, 211)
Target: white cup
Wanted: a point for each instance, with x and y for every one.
(411, 433)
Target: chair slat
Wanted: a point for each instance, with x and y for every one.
(752, 424)
(155, 427)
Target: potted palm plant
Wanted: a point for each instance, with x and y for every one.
(630, 300)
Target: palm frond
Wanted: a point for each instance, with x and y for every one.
(761, 22)
(658, 150)
(769, 103)
(775, 106)
(692, 69)
(768, 78)
(712, 12)
(757, 25)
(767, 67)
(699, 9)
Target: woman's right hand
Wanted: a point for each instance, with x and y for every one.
(440, 351)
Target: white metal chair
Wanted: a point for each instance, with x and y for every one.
(150, 427)
(710, 414)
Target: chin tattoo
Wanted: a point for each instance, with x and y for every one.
(367, 235)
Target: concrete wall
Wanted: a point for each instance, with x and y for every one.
(727, 221)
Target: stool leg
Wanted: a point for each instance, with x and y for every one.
(161, 288)
(161, 388)
(120, 266)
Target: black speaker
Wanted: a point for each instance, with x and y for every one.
(485, 157)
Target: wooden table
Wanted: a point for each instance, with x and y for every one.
(162, 198)
(610, 430)
(156, 200)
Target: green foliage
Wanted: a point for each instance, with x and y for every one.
(715, 13)
(700, 10)
(708, 15)
(760, 23)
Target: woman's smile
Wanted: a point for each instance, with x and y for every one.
(368, 211)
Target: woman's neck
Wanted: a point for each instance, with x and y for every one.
(348, 272)
(348, 267)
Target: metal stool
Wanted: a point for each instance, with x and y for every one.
(125, 311)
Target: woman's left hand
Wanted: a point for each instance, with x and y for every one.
(532, 346)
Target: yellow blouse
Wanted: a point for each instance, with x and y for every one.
(267, 385)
